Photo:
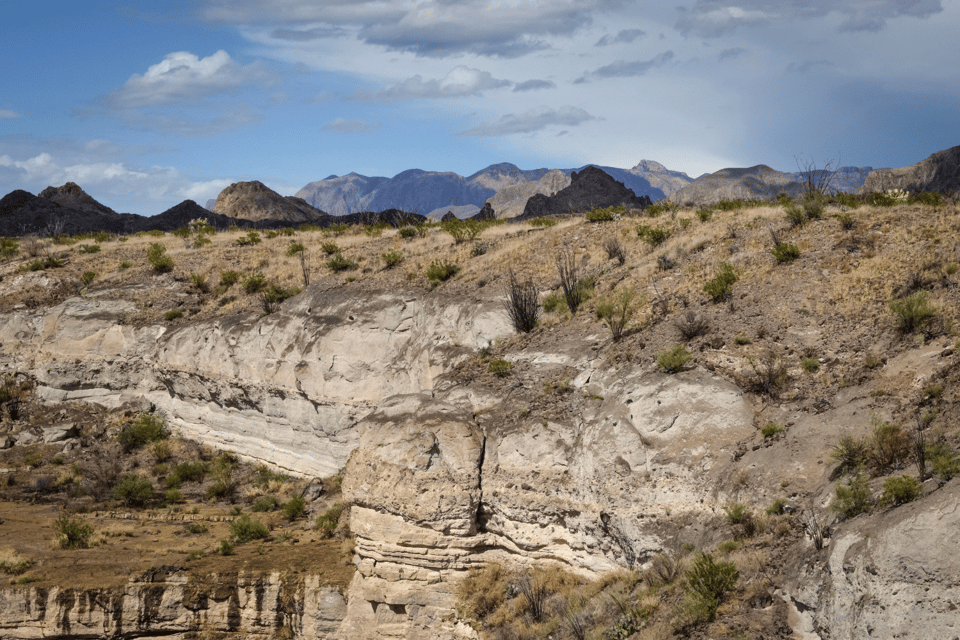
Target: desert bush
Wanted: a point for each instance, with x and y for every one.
(265, 503)
(391, 258)
(850, 453)
(522, 303)
(794, 214)
(900, 490)
(326, 523)
(810, 365)
(192, 471)
(542, 222)
(664, 568)
(441, 271)
(89, 248)
(173, 314)
(673, 360)
(254, 283)
(463, 230)
(294, 508)
(500, 368)
(555, 303)
(133, 490)
(736, 512)
(665, 262)
(889, 445)
(569, 279)
(272, 295)
(250, 239)
(74, 532)
(657, 208)
(777, 507)
(881, 199)
(769, 373)
(225, 548)
(846, 221)
(199, 281)
(101, 470)
(158, 258)
(654, 236)
(243, 529)
(228, 279)
(615, 249)
(912, 312)
(337, 229)
(145, 428)
(617, 310)
(929, 198)
(9, 247)
(407, 232)
(709, 580)
(173, 496)
(17, 566)
(690, 325)
(771, 430)
(330, 248)
(482, 591)
(852, 498)
(785, 252)
(338, 262)
(88, 277)
(294, 248)
(943, 461)
(720, 286)
(600, 214)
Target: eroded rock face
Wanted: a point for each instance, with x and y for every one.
(169, 604)
(940, 172)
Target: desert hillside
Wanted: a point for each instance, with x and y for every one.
(731, 421)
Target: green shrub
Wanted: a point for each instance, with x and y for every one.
(243, 529)
(654, 236)
(794, 214)
(785, 252)
(195, 471)
(326, 522)
(673, 360)
(225, 548)
(295, 248)
(709, 581)
(845, 220)
(771, 429)
(133, 490)
(912, 312)
(173, 496)
(254, 283)
(228, 279)
(542, 222)
(294, 508)
(407, 232)
(16, 567)
(143, 429)
(392, 258)
(657, 208)
(704, 214)
(272, 295)
(556, 302)
(88, 277)
(850, 453)
(500, 368)
(173, 314)
(742, 340)
(729, 546)
(810, 365)
(330, 248)
(201, 241)
(720, 286)
(889, 445)
(126, 264)
(665, 262)
(736, 512)
(929, 198)
(158, 258)
(9, 247)
(376, 230)
(182, 232)
(880, 199)
(853, 498)
(265, 503)
(74, 532)
(599, 214)
(251, 238)
(777, 507)
(617, 310)
(441, 271)
(89, 248)
(847, 200)
(901, 490)
(338, 263)
(199, 281)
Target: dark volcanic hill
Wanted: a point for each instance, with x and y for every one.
(940, 172)
(589, 188)
(67, 209)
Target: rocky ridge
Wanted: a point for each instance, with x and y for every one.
(939, 172)
(510, 201)
(589, 188)
(255, 201)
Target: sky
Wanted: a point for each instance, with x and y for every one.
(146, 104)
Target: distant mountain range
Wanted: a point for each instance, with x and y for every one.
(433, 193)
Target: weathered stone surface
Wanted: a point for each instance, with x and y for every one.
(940, 172)
(510, 201)
(589, 188)
(168, 604)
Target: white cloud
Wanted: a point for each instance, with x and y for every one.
(461, 82)
(8, 114)
(628, 68)
(350, 126)
(530, 121)
(534, 85)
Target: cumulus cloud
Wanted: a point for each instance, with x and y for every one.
(628, 68)
(460, 82)
(185, 78)
(341, 125)
(624, 37)
(713, 18)
(530, 121)
(8, 114)
(436, 28)
(533, 85)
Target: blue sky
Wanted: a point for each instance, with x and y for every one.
(145, 104)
